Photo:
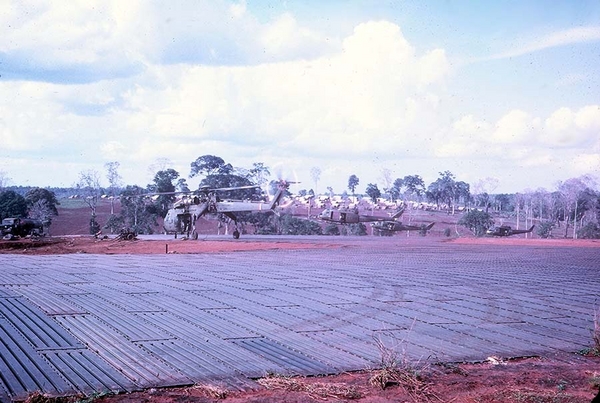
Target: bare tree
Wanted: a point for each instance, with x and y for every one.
(159, 164)
(386, 178)
(482, 190)
(4, 180)
(89, 187)
(114, 182)
(41, 210)
(315, 173)
(571, 191)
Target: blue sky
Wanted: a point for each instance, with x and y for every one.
(507, 90)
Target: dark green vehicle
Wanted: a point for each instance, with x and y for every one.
(21, 227)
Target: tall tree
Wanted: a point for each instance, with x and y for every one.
(114, 182)
(89, 188)
(12, 204)
(209, 165)
(414, 185)
(136, 214)
(259, 173)
(39, 194)
(386, 177)
(164, 183)
(352, 183)
(41, 204)
(571, 191)
(373, 192)
(315, 174)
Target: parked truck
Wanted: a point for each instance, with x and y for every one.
(21, 227)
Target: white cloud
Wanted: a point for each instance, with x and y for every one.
(516, 127)
(566, 128)
(555, 39)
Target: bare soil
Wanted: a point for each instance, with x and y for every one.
(539, 380)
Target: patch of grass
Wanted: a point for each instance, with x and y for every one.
(319, 390)
(596, 331)
(528, 396)
(595, 380)
(38, 397)
(212, 391)
(396, 368)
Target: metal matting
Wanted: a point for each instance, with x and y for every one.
(81, 323)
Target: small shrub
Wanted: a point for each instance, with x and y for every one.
(589, 231)
(357, 229)
(545, 229)
(477, 221)
(331, 229)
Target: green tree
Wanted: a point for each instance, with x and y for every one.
(259, 173)
(165, 186)
(396, 189)
(209, 165)
(353, 183)
(373, 192)
(12, 204)
(415, 186)
(477, 221)
(290, 225)
(136, 213)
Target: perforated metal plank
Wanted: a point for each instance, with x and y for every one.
(136, 364)
(133, 303)
(189, 360)
(40, 330)
(4, 397)
(296, 341)
(50, 303)
(88, 372)
(6, 291)
(216, 324)
(23, 370)
(282, 318)
(125, 322)
(287, 358)
(238, 297)
(232, 355)
(10, 279)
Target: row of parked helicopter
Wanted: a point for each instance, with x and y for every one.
(182, 217)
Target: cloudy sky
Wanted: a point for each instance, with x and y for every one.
(508, 90)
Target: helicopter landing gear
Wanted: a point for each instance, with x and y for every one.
(236, 234)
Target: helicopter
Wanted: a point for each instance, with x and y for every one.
(352, 216)
(388, 227)
(505, 230)
(181, 217)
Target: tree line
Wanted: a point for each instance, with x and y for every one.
(574, 206)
